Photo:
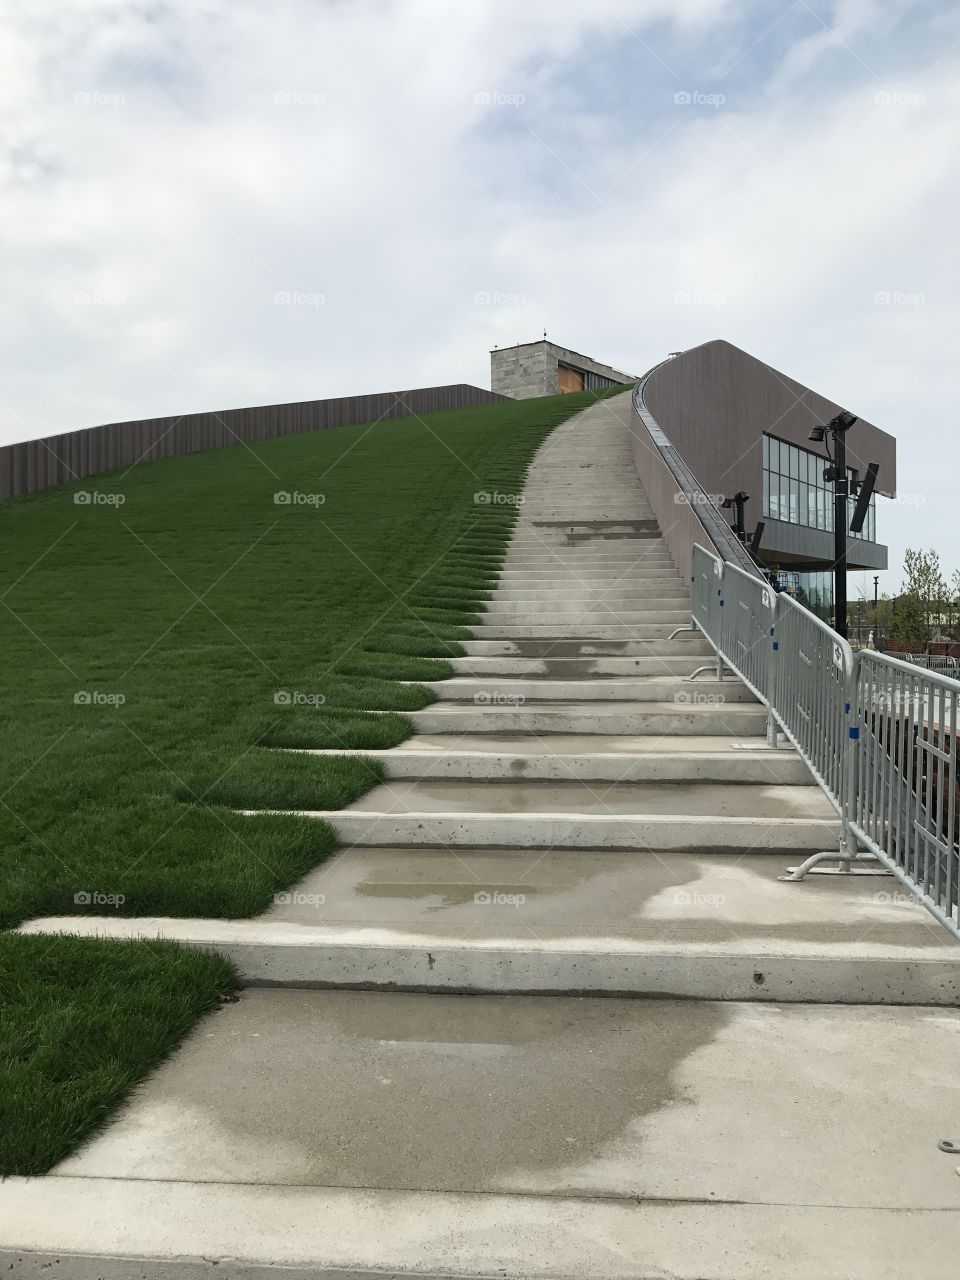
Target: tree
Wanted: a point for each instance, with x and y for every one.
(922, 601)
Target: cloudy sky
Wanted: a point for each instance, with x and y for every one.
(211, 204)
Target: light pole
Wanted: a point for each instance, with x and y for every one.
(837, 429)
(876, 626)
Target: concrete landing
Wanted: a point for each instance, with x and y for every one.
(444, 1135)
(624, 1099)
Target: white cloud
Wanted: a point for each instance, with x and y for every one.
(179, 165)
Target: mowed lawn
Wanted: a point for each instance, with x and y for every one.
(160, 636)
(153, 649)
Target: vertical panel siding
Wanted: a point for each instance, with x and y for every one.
(38, 464)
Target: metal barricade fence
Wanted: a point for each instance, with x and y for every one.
(905, 792)
(810, 696)
(746, 628)
(707, 602)
(880, 735)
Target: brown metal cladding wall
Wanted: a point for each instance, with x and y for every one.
(714, 402)
(39, 464)
(679, 525)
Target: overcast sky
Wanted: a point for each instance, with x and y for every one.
(211, 204)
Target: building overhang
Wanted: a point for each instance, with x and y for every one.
(812, 549)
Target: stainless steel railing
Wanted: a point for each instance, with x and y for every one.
(879, 735)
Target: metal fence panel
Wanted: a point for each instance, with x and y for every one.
(813, 673)
(905, 795)
(707, 599)
(747, 627)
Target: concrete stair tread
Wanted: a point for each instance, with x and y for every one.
(307, 1233)
(706, 710)
(642, 688)
(581, 744)
(756, 801)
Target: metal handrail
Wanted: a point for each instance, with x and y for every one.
(714, 526)
(879, 735)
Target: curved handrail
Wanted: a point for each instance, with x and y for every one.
(714, 526)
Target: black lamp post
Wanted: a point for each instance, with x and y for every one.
(836, 429)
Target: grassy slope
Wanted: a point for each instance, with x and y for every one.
(198, 600)
(81, 1021)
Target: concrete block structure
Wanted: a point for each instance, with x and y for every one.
(544, 369)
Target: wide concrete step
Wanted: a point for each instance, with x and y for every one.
(512, 921)
(504, 690)
(687, 642)
(551, 576)
(537, 550)
(628, 799)
(580, 593)
(570, 814)
(585, 758)
(498, 615)
(725, 720)
(584, 630)
(563, 668)
(577, 602)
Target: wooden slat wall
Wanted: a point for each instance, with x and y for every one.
(38, 464)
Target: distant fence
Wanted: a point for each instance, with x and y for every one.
(39, 464)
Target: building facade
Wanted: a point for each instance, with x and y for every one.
(544, 369)
(741, 426)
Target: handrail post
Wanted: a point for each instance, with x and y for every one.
(848, 777)
(772, 652)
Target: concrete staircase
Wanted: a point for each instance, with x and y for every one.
(574, 819)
